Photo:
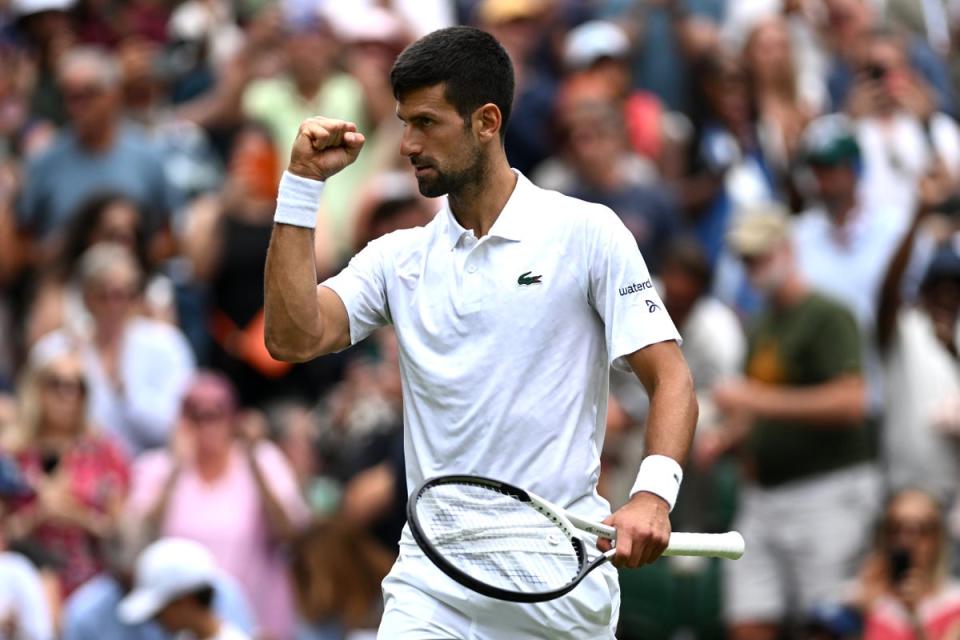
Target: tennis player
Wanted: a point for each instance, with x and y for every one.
(510, 306)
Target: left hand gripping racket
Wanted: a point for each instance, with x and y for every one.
(507, 543)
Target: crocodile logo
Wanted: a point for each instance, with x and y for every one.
(526, 278)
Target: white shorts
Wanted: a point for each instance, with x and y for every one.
(804, 542)
(422, 603)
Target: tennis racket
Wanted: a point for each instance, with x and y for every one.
(510, 544)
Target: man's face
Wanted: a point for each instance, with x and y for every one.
(91, 105)
(443, 149)
(836, 185)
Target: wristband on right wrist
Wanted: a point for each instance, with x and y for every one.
(298, 200)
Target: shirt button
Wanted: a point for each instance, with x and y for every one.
(472, 269)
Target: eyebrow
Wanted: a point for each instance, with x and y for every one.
(423, 113)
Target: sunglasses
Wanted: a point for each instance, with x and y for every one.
(82, 94)
(912, 528)
(199, 413)
(114, 294)
(64, 384)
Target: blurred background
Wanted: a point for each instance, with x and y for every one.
(789, 168)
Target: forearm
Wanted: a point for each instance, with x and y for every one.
(672, 418)
(840, 403)
(294, 328)
(278, 522)
(154, 517)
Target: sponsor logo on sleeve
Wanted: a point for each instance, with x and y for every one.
(635, 287)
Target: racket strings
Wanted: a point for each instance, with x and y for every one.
(496, 538)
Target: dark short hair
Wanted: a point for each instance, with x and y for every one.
(473, 67)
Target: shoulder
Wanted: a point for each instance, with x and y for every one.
(265, 91)
(562, 212)
(826, 310)
(152, 463)
(155, 335)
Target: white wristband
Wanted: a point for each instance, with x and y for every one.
(298, 201)
(661, 476)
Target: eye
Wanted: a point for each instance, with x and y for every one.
(424, 122)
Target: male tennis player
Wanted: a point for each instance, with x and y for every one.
(509, 306)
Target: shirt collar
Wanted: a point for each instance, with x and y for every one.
(509, 225)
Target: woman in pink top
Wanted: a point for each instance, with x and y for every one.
(904, 590)
(233, 493)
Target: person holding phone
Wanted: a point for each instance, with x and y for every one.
(904, 591)
(74, 479)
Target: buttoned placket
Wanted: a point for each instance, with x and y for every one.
(468, 256)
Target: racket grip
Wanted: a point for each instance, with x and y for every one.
(728, 545)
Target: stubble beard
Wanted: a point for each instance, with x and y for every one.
(453, 182)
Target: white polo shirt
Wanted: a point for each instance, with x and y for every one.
(506, 342)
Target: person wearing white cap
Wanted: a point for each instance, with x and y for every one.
(174, 586)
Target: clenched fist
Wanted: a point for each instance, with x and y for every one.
(324, 147)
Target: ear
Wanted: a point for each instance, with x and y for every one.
(486, 122)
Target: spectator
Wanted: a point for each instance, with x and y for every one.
(137, 368)
(902, 133)
(230, 491)
(58, 302)
(97, 152)
(174, 584)
(903, 589)
(310, 84)
(337, 573)
(600, 48)
(597, 166)
(24, 610)
(226, 238)
(520, 26)
(799, 413)
(846, 232)
(47, 33)
(781, 111)
(848, 26)
(77, 479)
(91, 612)
(918, 341)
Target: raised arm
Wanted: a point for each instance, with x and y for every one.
(303, 320)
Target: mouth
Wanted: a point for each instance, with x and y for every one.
(422, 170)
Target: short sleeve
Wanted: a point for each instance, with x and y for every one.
(149, 473)
(621, 290)
(282, 481)
(837, 350)
(362, 288)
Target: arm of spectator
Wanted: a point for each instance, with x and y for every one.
(369, 494)
(9, 247)
(284, 507)
(836, 403)
(224, 104)
(931, 67)
(154, 478)
(202, 241)
(932, 190)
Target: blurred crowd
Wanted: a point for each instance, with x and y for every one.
(789, 168)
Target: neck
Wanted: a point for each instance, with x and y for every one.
(793, 291)
(108, 336)
(212, 467)
(476, 206)
(307, 86)
(206, 625)
(841, 212)
(99, 140)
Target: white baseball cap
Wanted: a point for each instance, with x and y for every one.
(167, 569)
(592, 41)
(30, 7)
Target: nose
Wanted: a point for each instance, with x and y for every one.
(410, 145)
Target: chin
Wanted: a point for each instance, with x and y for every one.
(431, 188)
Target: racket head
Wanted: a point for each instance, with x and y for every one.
(495, 539)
